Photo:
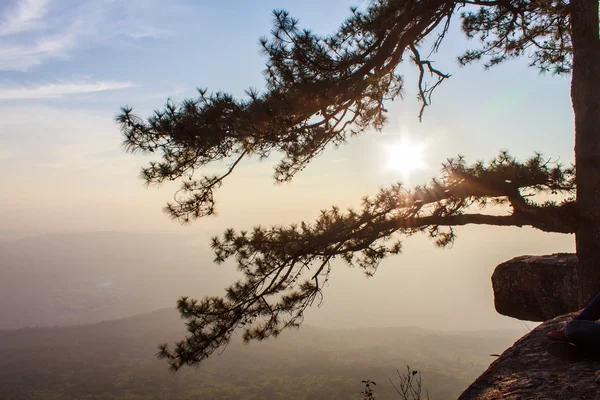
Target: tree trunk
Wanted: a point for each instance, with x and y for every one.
(585, 95)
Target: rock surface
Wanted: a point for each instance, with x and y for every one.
(527, 371)
(536, 288)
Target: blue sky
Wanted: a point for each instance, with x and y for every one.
(66, 67)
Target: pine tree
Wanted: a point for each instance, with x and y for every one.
(322, 91)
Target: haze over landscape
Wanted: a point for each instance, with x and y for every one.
(82, 240)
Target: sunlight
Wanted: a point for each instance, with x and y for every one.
(405, 156)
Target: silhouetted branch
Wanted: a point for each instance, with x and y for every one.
(285, 268)
(195, 198)
(319, 91)
(425, 91)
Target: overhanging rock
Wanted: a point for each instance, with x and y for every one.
(536, 288)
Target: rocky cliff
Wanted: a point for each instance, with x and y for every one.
(527, 371)
(536, 288)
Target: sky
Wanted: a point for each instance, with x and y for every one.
(66, 68)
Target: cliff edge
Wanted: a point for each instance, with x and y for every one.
(527, 371)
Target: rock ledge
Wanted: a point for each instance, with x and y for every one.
(527, 371)
(536, 288)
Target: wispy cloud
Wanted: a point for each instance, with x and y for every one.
(22, 56)
(141, 32)
(23, 16)
(33, 32)
(60, 89)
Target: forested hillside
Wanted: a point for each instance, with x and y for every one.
(115, 360)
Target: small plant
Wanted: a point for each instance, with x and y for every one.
(409, 386)
(368, 392)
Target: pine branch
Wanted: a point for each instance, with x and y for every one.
(425, 91)
(513, 28)
(320, 90)
(285, 268)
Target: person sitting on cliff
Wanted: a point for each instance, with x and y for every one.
(580, 338)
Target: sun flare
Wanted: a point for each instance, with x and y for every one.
(405, 157)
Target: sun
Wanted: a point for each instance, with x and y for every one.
(405, 157)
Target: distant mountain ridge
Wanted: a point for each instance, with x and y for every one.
(80, 290)
(115, 360)
(67, 279)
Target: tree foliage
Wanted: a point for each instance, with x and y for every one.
(286, 267)
(319, 91)
(539, 29)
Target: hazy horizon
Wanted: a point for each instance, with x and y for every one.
(156, 269)
(66, 69)
(306, 363)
